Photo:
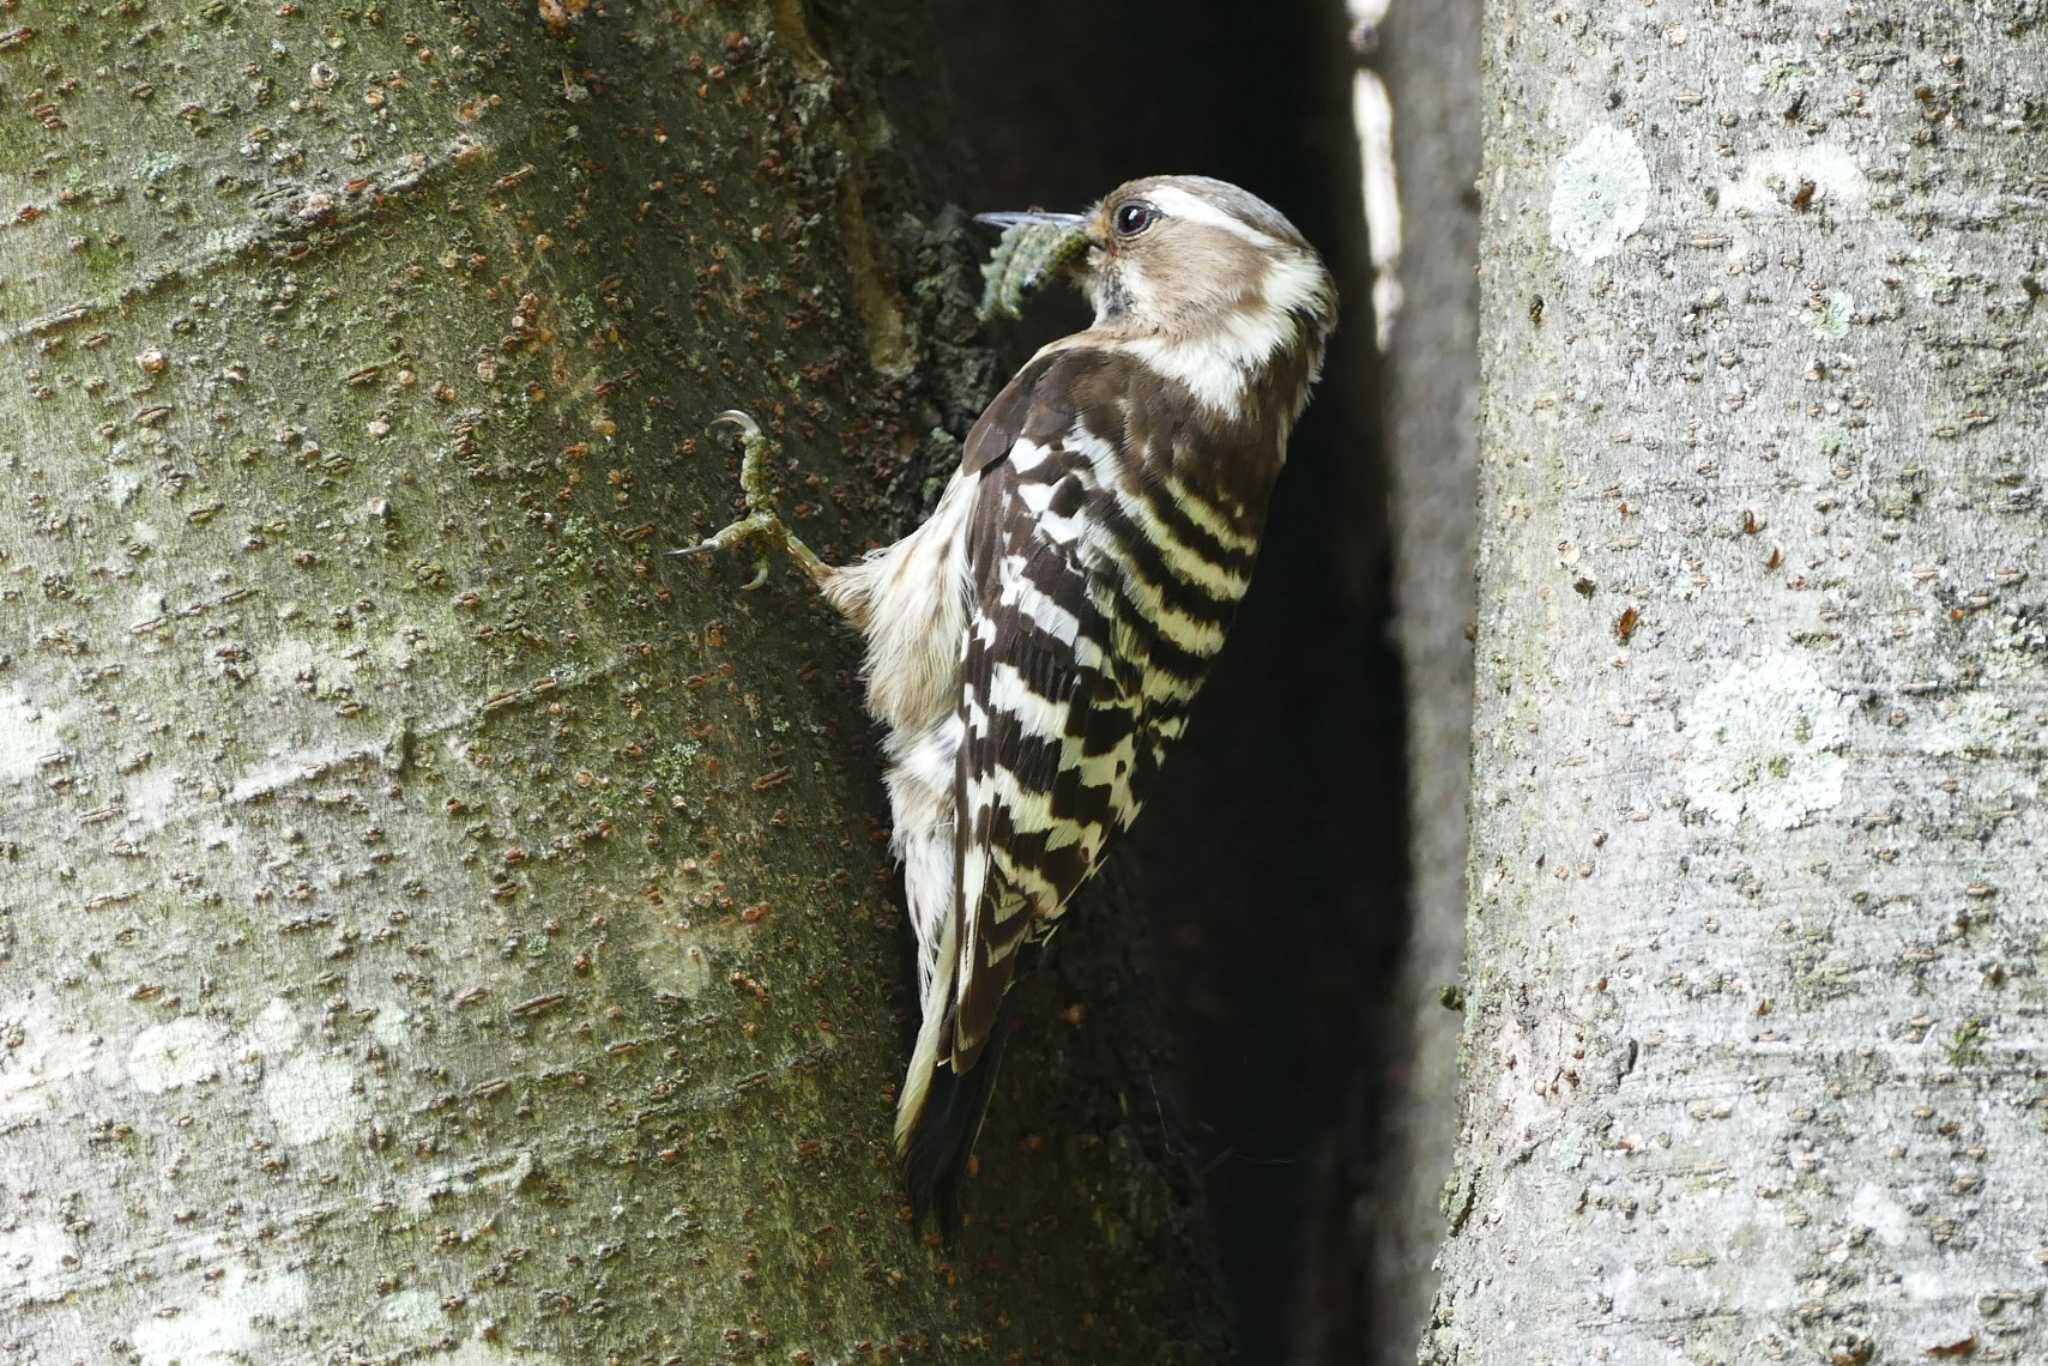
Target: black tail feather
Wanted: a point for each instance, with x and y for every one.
(935, 1160)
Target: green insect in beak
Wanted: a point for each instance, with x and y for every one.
(1033, 248)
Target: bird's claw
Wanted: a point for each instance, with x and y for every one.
(762, 524)
(764, 528)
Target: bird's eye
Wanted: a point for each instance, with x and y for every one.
(1134, 217)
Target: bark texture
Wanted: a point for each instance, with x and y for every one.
(433, 925)
(1753, 1064)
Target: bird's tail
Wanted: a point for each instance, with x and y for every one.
(934, 1140)
(940, 1109)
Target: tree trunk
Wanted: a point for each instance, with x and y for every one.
(435, 922)
(1753, 1062)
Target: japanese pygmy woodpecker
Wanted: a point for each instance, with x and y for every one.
(1034, 647)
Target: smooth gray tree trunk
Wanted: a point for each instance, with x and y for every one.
(432, 924)
(1753, 1068)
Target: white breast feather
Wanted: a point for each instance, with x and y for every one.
(911, 601)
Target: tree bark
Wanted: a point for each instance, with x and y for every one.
(1752, 1066)
(434, 923)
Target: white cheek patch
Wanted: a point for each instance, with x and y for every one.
(1218, 362)
(1293, 281)
(1253, 335)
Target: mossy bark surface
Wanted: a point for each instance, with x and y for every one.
(1756, 1011)
(433, 923)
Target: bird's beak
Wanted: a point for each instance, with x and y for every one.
(1011, 220)
(1035, 246)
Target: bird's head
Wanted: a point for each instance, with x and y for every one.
(1203, 267)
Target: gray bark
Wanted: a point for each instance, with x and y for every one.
(433, 925)
(1753, 1063)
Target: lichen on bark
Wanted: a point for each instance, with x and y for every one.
(1756, 945)
(436, 925)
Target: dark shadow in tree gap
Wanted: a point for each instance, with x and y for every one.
(1271, 860)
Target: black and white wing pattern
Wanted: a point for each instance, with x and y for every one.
(1091, 620)
(1049, 731)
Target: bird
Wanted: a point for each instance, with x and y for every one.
(1033, 648)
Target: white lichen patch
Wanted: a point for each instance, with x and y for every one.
(415, 1311)
(34, 1256)
(232, 1321)
(29, 735)
(1602, 194)
(121, 485)
(676, 955)
(1788, 180)
(691, 973)
(1830, 321)
(284, 767)
(154, 798)
(176, 1053)
(2019, 643)
(276, 1028)
(311, 1097)
(1875, 1209)
(401, 648)
(391, 1026)
(1764, 742)
(1979, 723)
(1779, 72)
(294, 664)
(1829, 439)
(43, 1052)
(1935, 278)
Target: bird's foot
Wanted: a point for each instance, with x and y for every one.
(763, 524)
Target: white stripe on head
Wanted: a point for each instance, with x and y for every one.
(1178, 203)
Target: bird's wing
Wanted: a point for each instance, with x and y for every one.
(1037, 785)
(1048, 728)
(1096, 591)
